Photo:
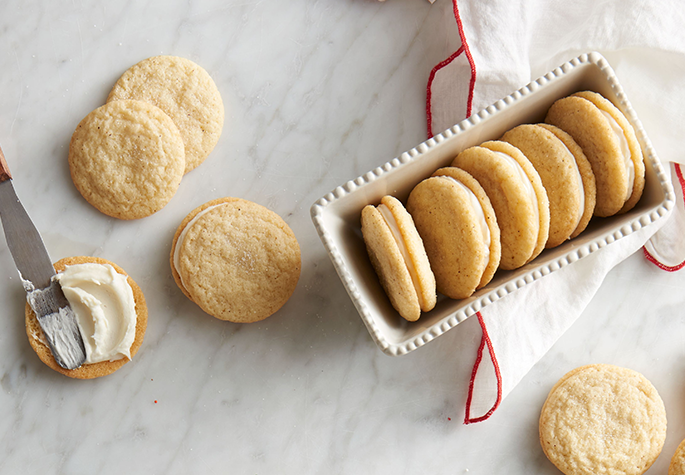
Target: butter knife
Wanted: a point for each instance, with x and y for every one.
(44, 295)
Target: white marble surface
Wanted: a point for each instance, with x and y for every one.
(316, 93)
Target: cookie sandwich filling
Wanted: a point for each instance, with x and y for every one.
(478, 210)
(105, 309)
(390, 220)
(625, 151)
(525, 182)
(181, 238)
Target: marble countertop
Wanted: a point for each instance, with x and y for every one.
(316, 93)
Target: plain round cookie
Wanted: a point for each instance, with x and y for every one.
(523, 230)
(126, 159)
(408, 280)
(603, 419)
(677, 465)
(94, 370)
(238, 261)
(449, 225)
(186, 92)
(560, 176)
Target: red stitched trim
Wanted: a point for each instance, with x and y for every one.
(429, 93)
(467, 50)
(647, 254)
(464, 48)
(485, 340)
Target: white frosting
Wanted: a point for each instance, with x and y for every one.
(520, 173)
(105, 310)
(478, 210)
(581, 187)
(625, 152)
(395, 230)
(182, 236)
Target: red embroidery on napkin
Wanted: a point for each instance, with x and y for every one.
(464, 48)
(485, 341)
(647, 254)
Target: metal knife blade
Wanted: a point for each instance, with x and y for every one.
(45, 296)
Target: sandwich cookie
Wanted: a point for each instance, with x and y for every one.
(398, 256)
(110, 311)
(517, 196)
(609, 143)
(183, 90)
(459, 229)
(603, 419)
(566, 176)
(237, 260)
(126, 159)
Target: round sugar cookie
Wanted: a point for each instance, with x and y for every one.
(237, 260)
(587, 117)
(516, 193)
(456, 221)
(398, 256)
(603, 419)
(677, 465)
(560, 174)
(126, 159)
(94, 370)
(186, 92)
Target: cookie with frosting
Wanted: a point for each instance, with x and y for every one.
(110, 310)
(399, 258)
(566, 175)
(609, 143)
(517, 195)
(237, 260)
(457, 223)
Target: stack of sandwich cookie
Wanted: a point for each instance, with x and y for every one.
(111, 314)
(398, 256)
(457, 223)
(237, 260)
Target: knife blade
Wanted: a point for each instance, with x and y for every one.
(44, 295)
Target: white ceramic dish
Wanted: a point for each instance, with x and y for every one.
(336, 216)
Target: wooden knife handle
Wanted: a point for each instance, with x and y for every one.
(4, 169)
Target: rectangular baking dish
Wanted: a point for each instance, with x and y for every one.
(336, 216)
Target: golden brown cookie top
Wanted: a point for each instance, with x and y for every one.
(237, 260)
(126, 158)
(603, 419)
(185, 92)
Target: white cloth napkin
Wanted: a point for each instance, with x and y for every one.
(505, 45)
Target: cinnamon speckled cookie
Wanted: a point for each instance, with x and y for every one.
(237, 260)
(399, 258)
(609, 143)
(603, 419)
(458, 226)
(564, 176)
(186, 92)
(94, 370)
(126, 159)
(517, 196)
